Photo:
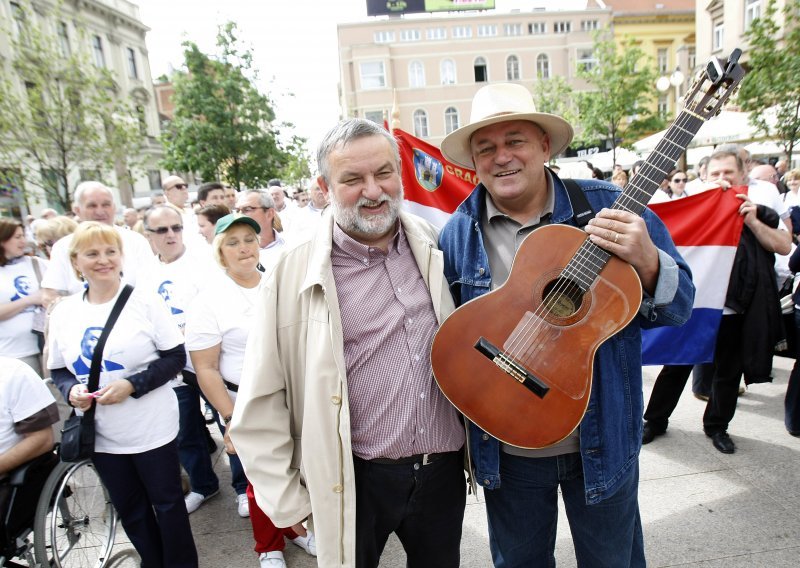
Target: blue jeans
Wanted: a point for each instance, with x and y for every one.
(523, 513)
(238, 478)
(192, 445)
(792, 400)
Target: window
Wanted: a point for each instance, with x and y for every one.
(542, 66)
(487, 30)
(513, 29)
(662, 59)
(537, 28)
(63, 39)
(692, 57)
(436, 33)
(462, 32)
(718, 35)
(450, 119)
(663, 106)
(383, 36)
(420, 123)
(448, 72)
(512, 68)
(416, 74)
(562, 27)
(410, 35)
(481, 74)
(133, 72)
(54, 184)
(375, 116)
(589, 25)
(141, 117)
(586, 60)
(752, 11)
(372, 75)
(89, 174)
(154, 177)
(97, 51)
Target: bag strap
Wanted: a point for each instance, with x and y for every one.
(97, 356)
(37, 270)
(582, 212)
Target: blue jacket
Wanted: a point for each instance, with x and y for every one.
(611, 433)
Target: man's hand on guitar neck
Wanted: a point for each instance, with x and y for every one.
(625, 235)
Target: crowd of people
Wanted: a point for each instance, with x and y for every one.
(304, 326)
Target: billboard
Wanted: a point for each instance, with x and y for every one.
(389, 7)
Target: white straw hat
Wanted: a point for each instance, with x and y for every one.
(502, 102)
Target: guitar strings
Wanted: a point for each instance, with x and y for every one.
(589, 253)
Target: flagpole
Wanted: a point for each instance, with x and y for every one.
(395, 122)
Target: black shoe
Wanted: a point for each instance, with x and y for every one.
(650, 432)
(723, 442)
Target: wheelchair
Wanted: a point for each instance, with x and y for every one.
(55, 514)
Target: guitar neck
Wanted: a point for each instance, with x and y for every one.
(590, 259)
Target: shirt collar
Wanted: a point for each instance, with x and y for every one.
(345, 244)
(492, 212)
(277, 240)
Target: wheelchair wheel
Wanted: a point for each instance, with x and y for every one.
(75, 521)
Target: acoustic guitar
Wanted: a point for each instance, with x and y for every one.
(517, 361)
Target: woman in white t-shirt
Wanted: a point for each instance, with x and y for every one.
(136, 418)
(217, 325)
(20, 296)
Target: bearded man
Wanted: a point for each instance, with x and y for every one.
(338, 415)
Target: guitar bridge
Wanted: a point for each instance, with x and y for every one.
(512, 368)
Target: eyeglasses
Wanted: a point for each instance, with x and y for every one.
(179, 186)
(164, 230)
(680, 180)
(248, 210)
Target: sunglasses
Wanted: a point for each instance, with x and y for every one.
(680, 180)
(180, 186)
(163, 230)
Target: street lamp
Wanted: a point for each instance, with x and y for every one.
(675, 80)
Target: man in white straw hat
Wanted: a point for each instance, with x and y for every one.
(596, 467)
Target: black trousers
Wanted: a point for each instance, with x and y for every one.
(146, 490)
(422, 504)
(668, 388)
(728, 370)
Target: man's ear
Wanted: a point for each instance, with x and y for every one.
(323, 185)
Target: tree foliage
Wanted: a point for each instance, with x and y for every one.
(555, 96)
(772, 81)
(59, 112)
(224, 126)
(619, 109)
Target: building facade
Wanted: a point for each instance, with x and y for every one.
(721, 26)
(115, 39)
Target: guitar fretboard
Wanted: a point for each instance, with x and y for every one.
(590, 259)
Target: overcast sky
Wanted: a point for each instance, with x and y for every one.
(293, 42)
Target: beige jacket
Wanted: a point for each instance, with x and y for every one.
(294, 368)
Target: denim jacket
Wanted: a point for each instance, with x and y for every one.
(611, 433)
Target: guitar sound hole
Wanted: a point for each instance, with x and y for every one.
(562, 297)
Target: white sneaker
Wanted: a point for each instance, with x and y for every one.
(242, 506)
(272, 559)
(194, 500)
(307, 543)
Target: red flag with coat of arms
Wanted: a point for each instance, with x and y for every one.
(433, 187)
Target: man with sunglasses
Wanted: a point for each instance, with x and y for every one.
(259, 206)
(177, 279)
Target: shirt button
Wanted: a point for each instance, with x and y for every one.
(481, 271)
(338, 488)
(399, 290)
(485, 436)
(422, 430)
(416, 357)
(410, 320)
(336, 399)
(422, 395)
(366, 261)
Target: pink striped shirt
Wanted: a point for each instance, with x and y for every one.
(396, 408)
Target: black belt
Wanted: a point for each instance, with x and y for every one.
(230, 386)
(423, 459)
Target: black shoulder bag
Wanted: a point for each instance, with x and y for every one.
(77, 437)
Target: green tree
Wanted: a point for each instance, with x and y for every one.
(619, 108)
(224, 127)
(772, 81)
(555, 96)
(59, 112)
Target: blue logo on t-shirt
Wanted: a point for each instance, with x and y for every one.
(22, 286)
(165, 291)
(83, 363)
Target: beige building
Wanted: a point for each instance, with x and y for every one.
(429, 66)
(721, 25)
(114, 38)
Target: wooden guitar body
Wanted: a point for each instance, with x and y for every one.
(518, 361)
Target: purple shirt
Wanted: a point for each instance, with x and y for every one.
(388, 323)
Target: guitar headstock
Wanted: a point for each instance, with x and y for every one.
(714, 85)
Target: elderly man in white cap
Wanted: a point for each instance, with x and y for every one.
(595, 467)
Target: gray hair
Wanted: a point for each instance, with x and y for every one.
(154, 209)
(85, 186)
(346, 132)
(727, 151)
(263, 195)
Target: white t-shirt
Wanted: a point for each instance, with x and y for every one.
(144, 327)
(179, 282)
(269, 255)
(222, 313)
(18, 280)
(137, 259)
(22, 394)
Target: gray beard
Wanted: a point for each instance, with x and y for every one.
(350, 221)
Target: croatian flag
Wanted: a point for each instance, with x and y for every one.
(433, 187)
(706, 229)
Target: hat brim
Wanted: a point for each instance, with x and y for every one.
(221, 228)
(455, 146)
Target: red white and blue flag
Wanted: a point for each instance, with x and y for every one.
(706, 229)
